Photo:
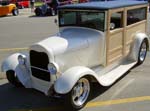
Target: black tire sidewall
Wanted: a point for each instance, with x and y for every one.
(38, 12)
(139, 60)
(13, 79)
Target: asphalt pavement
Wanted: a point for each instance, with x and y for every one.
(26, 12)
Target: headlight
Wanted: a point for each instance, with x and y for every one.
(53, 68)
(21, 59)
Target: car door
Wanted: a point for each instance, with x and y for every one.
(115, 35)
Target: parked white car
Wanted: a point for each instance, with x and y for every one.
(97, 42)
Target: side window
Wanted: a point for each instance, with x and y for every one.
(116, 20)
(68, 18)
(136, 15)
(93, 20)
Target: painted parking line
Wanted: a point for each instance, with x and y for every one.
(13, 49)
(94, 104)
(118, 101)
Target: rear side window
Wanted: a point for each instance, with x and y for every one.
(136, 15)
(117, 20)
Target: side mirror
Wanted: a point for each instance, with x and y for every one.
(56, 21)
(112, 26)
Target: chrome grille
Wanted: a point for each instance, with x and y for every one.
(39, 62)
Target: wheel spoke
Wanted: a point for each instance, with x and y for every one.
(74, 95)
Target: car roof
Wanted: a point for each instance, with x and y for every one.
(105, 5)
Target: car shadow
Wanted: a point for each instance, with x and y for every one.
(23, 99)
(34, 16)
(4, 16)
(98, 89)
(16, 99)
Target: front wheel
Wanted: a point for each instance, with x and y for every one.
(142, 52)
(79, 94)
(13, 79)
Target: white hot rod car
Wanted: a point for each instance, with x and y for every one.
(97, 42)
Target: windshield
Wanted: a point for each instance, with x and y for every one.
(93, 19)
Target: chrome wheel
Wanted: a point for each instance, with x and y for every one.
(15, 12)
(143, 51)
(81, 92)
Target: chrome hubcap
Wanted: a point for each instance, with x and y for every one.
(143, 51)
(16, 12)
(80, 92)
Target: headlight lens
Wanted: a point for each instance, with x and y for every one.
(21, 59)
(52, 68)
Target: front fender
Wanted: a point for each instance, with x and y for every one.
(136, 45)
(22, 72)
(10, 63)
(68, 79)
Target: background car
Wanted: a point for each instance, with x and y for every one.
(50, 7)
(21, 3)
(6, 8)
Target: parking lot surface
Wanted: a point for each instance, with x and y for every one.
(129, 93)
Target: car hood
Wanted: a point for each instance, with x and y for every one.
(68, 39)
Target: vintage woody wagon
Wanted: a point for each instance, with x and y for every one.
(97, 42)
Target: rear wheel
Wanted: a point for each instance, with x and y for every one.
(13, 79)
(79, 94)
(38, 12)
(142, 52)
(15, 12)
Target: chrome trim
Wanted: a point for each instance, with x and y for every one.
(39, 68)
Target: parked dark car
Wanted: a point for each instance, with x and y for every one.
(49, 8)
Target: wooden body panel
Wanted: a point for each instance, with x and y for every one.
(119, 40)
(115, 46)
(131, 32)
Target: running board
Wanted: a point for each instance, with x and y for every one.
(110, 77)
